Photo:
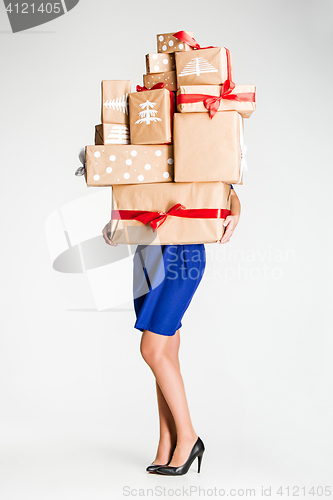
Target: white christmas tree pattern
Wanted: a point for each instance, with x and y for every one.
(198, 65)
(119, 134)
(118, 104)
(148, 114)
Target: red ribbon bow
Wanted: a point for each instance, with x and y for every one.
(213, 103)
(157, 86)
(191, 42)
(156, 219)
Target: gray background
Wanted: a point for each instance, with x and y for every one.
(78, 410)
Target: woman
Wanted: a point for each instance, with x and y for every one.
(164, 284)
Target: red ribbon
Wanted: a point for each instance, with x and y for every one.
(158, 86)
(156, 219)
(191, 42)
(212, 103)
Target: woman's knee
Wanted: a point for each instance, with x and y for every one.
(152, 349)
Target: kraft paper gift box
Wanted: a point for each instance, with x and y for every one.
(168, 78)
(204, 66)
(139, 209)
(150, 116)
(160, 63)
(128, 164)
(115, 101)
(166, 42)
(208, 149)
(190, 99)
(112, 133)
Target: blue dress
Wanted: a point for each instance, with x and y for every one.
(165, 278)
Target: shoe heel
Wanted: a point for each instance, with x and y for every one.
(199, 461)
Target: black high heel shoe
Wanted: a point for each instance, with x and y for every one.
(153, 467)
(197, 451)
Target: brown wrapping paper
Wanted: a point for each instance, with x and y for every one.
(166, 42)
(244, 108)
(114, 101)
(112, 133)
(208, 149)
(160, 63)
(202, 67)
(168, 78)
(161, 197)
(150, 120)
(128, 164)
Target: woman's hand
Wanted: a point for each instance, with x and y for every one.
(106, 231)
(230, 223)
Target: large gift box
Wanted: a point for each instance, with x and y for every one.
(112, 133)
(183, 213)
(204, 66)
(128, 164)
(212, 98)
(208, 149)
(151, 116)
(166, 42)
(114, 101)
(168, 78)
(159, 63)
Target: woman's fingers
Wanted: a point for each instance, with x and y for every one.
(230, 225)
(227, 220)
(227, 235)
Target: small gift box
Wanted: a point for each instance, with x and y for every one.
(128, 164)
(151, 114)
(213, 98)
(168, 78)
(160, 63)
(173, 213)
(112, 133)
(115, 101)
(208, 150)
(204, 65)
(166, 42)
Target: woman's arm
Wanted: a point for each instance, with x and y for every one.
(232, 220)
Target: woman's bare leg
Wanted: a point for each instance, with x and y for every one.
(168, 433)
(156, 353)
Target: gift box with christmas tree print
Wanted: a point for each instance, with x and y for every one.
(173, 213)
(203, 67)
(127, 164)
(112, 133)
(160, 63)
(208, 149)
(151, 114)
(166, 42)
(115, 101)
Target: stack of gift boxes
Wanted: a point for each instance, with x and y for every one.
(171, 149)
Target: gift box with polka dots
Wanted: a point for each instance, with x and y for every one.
(108, 165)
